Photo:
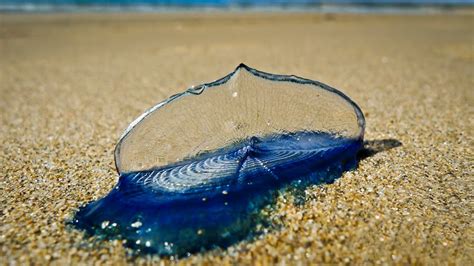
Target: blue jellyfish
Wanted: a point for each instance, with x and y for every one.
(196, 169)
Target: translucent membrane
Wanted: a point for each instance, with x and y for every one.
(196, 169)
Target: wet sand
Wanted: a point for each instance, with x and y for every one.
(70, 86)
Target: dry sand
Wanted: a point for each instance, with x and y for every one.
(70, 86)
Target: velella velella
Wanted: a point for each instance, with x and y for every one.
(196, 169)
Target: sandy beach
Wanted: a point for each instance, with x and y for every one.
(70, 85)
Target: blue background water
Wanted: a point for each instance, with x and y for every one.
(169, 5)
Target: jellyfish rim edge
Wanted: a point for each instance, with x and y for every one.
(196, 90)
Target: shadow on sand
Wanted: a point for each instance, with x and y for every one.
(372, 147)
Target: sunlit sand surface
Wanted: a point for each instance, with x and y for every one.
(70, 86)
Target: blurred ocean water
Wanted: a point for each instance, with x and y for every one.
(349, 6)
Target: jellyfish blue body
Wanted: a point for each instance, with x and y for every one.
(213, 198)
(156, 218)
